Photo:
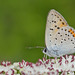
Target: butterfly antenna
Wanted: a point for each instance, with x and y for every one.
(34, 47)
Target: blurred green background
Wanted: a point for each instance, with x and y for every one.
(22, 24)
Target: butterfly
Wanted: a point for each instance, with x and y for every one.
(59, 36)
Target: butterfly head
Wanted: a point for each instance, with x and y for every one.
(46, 51)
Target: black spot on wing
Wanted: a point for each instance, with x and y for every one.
(53, 21)
(63, 23)
(51, 14)
(60, 19)
(68, 34)
(68, 38)
(61, 42)
(72, 42)
(58, 32)
(51, 28)
(60, 35)
(65, 29)
(57, 16)
(64, 39)
(55, 38)
(50, 34)
(55, 43)
(50, 40)
(65, 34)
(61, 28)
(58, 27)
(55, 25)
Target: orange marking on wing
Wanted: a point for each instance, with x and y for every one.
(56, 30)
(74, 35)
(72, 32)
(61, 25)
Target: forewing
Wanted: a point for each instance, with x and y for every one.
(59, 36)
(55, 21)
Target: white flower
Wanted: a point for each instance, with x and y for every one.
(63, 66)
(10, 72)
(5, 69)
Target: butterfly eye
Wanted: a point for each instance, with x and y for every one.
(45, 50)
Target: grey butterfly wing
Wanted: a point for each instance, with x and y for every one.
(65, 42)
(54, 34)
